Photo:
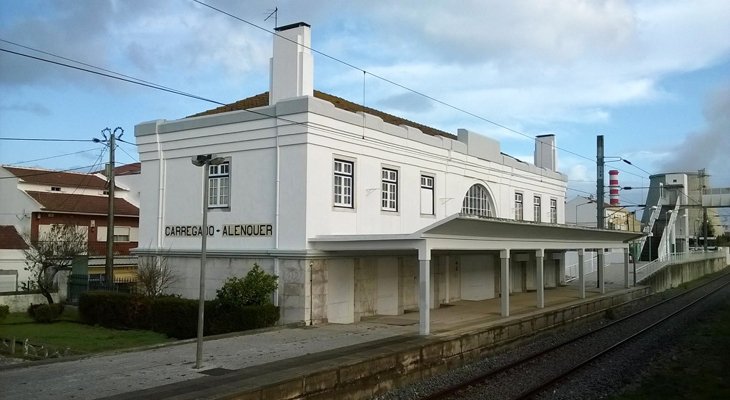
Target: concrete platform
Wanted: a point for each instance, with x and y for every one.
(327, 361)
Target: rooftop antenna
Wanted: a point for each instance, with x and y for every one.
(275, 13)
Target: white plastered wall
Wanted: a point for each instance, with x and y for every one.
(340, 291)
(477, 277)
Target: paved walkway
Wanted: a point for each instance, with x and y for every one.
(112, 374)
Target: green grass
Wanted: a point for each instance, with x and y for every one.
(69, 332)
(701, 367)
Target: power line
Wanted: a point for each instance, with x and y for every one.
(121, 78)
(72, 170)
(385, 79)
(82, 63)
(125, 152)
(126, 78)
(44, 139)
(57, 156)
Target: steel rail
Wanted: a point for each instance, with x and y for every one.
(565, 374)
(477, 380)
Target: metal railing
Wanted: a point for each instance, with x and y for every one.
(571, 271)
(664, 260)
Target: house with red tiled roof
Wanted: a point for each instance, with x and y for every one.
(34, 199)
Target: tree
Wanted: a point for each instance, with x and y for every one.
(53, 251)
(154, 276)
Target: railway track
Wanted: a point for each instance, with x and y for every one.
(536, 374)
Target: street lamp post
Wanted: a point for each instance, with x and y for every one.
(205, 161)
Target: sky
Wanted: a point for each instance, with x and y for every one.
(652, 77)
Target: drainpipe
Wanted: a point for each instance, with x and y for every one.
(276, 217)
(161, 195)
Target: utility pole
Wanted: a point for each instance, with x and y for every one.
(111, 141)
(599, 183)
(705, 232)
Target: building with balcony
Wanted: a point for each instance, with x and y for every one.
(34, 199)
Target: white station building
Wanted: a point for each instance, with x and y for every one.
(358, 213)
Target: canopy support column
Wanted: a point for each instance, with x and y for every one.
(505, 282)
(600, 271)
(581, 274)
(540, 277)
(424, 292)
(626, 267)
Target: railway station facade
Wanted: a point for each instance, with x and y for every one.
(358, 212)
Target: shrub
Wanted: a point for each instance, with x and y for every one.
(175, 317)
(115, 310)
(254, 289)
(4, 311)
(226, 319)
(171, 315)
(45, 313)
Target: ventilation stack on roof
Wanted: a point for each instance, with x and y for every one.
(545, 152)
(291, 69)
(613, 187)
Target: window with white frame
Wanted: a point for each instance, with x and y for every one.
(344, 172)
(389, 189)
(537, 208)
(477, 201)
(427, 195)
(219, 185)
(519, 207)
(553, 211)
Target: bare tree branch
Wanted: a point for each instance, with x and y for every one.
(53, 251)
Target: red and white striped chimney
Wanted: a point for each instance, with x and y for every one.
(613, 187)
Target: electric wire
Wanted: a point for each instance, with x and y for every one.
(51, 157)
(44, 139)
(121, 78)
(128, 155)
(129, 79)
(399, 85)
(48, 172)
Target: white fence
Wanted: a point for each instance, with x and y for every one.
(647, 269)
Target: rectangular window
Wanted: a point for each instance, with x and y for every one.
(344, 172)
(519, 211)
(537, 208)
(218, 185)
(390, 189)
(427, 195)
(553, 211)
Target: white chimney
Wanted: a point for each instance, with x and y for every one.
(292, 72)
(545, 152)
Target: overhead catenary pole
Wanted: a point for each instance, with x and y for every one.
(599, 183)
(705, 232)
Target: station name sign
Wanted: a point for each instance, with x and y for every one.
(224, 230)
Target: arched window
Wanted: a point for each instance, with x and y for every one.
(478, 202)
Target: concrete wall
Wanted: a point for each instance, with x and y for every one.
(388, 287)
(366, 375)
(341, 291)
(12, 260)
(676, 274)
(21, 302)
(477, 277)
